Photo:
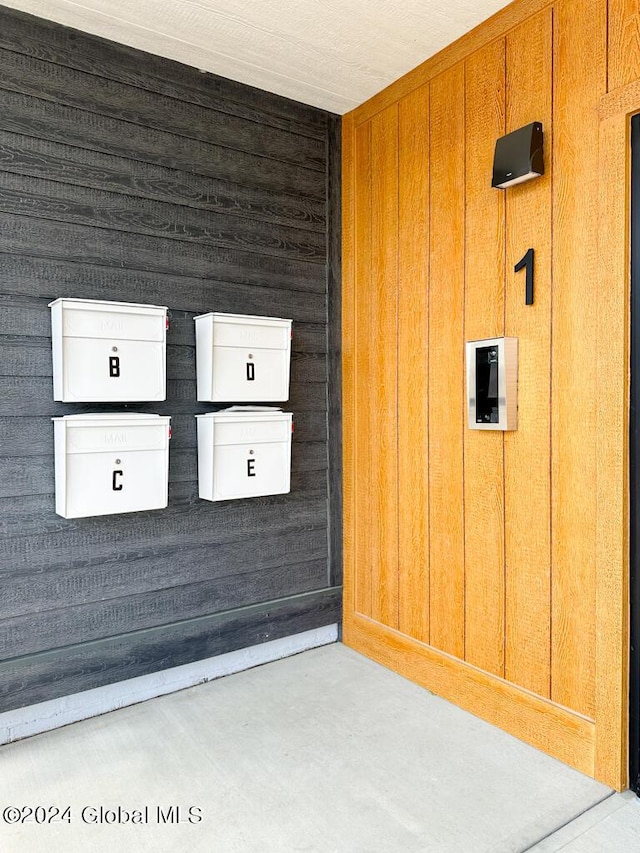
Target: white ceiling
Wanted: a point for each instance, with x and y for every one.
(333, 54)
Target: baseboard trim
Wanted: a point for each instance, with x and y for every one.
(54, 713)
(556, 730)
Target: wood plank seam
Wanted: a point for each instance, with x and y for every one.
(505, 332)
(86, 52)
(397, 348)
(272, 120)
(464, 386)
(429, 297)
(554, 27)
(122, 245)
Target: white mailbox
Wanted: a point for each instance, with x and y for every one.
(111, 463)
(243, 454)
(241, 358)
(110, 352)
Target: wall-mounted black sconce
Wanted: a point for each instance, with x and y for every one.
(518, 156)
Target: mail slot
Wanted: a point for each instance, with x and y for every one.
(243, 454)
(241, 358)
(106, 464)
(110, 352)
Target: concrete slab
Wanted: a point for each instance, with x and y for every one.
(324, 751)
(613, 826)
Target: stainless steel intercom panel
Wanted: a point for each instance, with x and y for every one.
(492, 383)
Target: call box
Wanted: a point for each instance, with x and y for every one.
(492, 383)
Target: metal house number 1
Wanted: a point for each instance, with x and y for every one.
(526, 263)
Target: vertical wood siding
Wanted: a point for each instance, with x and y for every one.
(579, 83)
(445, 397)
(124, 176)
(413, 362)
(484, 318)
(497, 570)
(528, 449)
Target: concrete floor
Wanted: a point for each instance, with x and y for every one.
(325, 751)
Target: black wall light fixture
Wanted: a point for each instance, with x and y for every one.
(518, 156)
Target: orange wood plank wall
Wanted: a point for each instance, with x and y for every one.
(491, 567)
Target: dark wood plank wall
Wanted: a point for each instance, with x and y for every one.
(125, 176)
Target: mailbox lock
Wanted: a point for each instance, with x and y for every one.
(250, 355)
(251, 453)
(117, 462)
(114, 349)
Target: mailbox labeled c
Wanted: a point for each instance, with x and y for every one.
(115, 485)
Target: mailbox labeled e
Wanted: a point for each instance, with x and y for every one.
(243, 454)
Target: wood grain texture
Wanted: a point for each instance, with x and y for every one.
(333, 342)
(64, 586)
(33, 475)
(89, 542)
(357, 369)
(534, 720)
(484, 303)
(352, 176)
(446, 375)
(624, 43)
(39, 158)
(85, 244)
(620, 102)
(612, 451)
(579, 82)
(379, 369)
(84, 52)
(198, 199)
(527, 450)
(25, 196)
(45, 277)
(44, 119)
(32, 515)
(413, 365)
(27, 680)
(563, 578)
(28, 396)
(94, 620)
(108, 98)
